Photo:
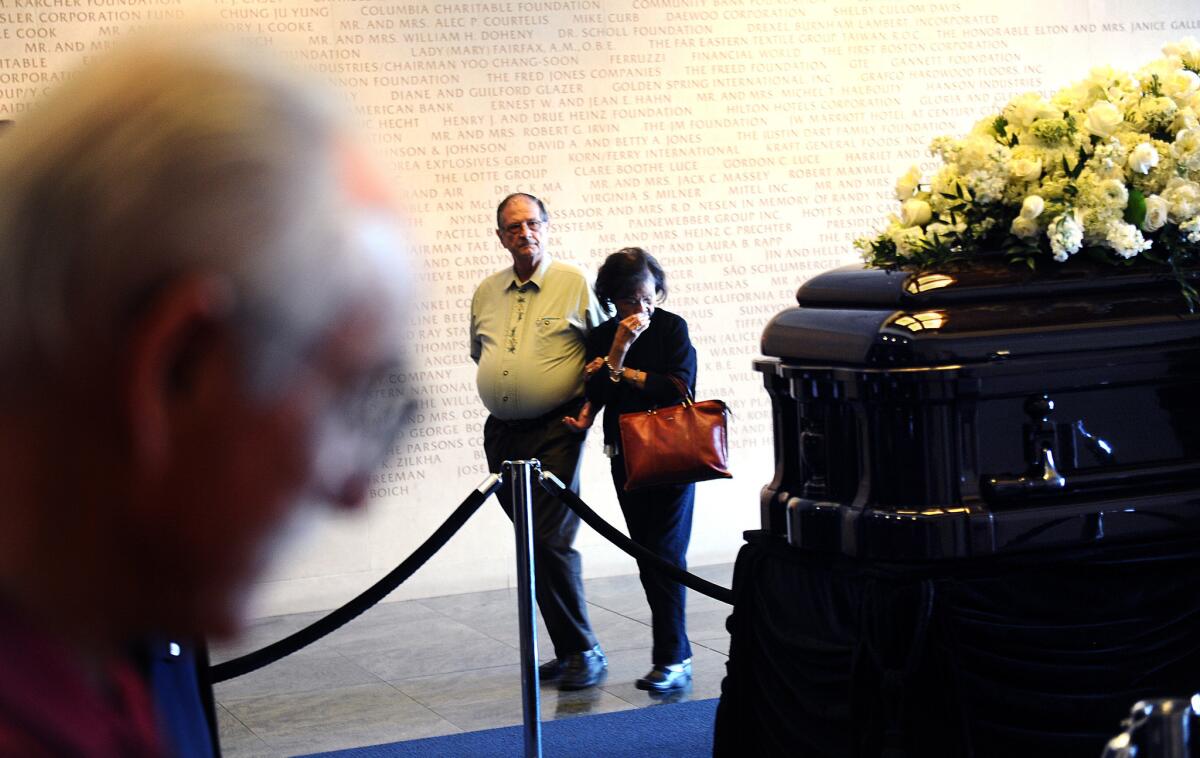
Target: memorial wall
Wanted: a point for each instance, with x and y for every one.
(743, 142)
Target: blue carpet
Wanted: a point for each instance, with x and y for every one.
(677, 730)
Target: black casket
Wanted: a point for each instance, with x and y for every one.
(981, 537)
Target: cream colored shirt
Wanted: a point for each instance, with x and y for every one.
(529, 339)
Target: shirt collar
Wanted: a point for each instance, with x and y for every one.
(536, 279)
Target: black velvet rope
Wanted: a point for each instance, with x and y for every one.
(369, 597)
(614, 535)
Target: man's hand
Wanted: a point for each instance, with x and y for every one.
(584, 420)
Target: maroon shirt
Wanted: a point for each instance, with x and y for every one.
(50, 706)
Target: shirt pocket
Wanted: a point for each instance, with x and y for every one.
(551, 333)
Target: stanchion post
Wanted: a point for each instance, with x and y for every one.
(522, 500)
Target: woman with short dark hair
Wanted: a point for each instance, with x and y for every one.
(636, 354)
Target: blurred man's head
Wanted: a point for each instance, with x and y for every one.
(200, 281)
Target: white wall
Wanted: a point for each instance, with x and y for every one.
(744, 142)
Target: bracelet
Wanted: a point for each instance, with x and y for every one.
(614, 374)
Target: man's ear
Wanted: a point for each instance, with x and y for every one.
(178, 351)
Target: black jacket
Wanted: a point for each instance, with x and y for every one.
(663, 350)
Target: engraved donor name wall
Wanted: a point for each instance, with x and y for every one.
(745, 143)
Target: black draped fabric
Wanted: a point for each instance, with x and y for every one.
(1033, 655)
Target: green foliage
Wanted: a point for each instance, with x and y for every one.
(1155, 87)
(1022, 253)
(1073, 172)
(1135, 210)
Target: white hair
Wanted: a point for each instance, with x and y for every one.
(166, 158)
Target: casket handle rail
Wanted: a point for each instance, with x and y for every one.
(1042, 476)
(1100, 448)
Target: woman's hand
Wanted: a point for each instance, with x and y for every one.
(593, 366)
(629, 329)
(584, 420)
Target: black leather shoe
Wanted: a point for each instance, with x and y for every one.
(583, 670)
(550, 670)
(666, 678)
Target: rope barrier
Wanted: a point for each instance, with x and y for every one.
(372, 595)
(335, 619)
(555, 487)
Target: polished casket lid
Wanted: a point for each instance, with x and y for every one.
(857, 316)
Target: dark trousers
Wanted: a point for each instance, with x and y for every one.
(558, 570)
(660, 519)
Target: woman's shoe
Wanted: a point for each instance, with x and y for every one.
(666, 678)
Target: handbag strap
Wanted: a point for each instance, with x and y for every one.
(684, 392)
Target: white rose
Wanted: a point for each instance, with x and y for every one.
(1102, 76)
(1103, 118)
(1184, 48)
(906, 186)
(1180, 84)
(1156, 214)
(1025, 109)
(1143, 158)
(915, 212)
(1071, 98)
(1032, 207)
(1114, 192)
(1182, 198)
(1187, 147)
(1025, 169)
(1186, 52)
(1185, 118)
(1025, 228)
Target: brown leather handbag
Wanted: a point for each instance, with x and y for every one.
(675, 445)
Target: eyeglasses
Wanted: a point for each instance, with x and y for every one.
(637, 302)
(534, 226)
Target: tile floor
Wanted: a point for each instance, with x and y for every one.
(421, 668)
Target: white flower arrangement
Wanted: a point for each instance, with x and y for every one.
(1109, 166)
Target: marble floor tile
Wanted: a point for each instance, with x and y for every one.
(497, 617)
(437, 665)
(433, 646)
(303, 671)
(716, 644)
(490, 698)
(259, 633)
(613, 630)
(467, 605)
(707, 623)
(477, 686)
(237, 740)
(383, 635)
(623, 595)
(338, 718)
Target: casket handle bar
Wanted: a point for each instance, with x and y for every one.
(1101, 449)
(812, 447)
(1041, 476)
